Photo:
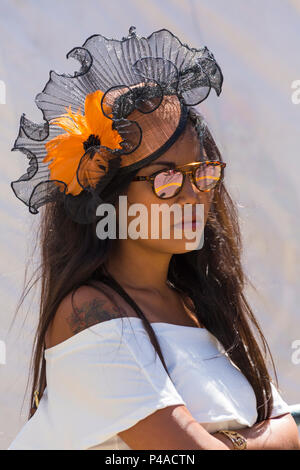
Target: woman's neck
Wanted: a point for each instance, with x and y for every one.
(140, 269)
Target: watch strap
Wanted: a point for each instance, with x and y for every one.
(238, 441)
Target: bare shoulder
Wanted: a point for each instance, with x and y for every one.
(83, 308)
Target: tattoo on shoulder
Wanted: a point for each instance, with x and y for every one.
(91, 312)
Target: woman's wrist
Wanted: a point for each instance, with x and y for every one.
(221, 437)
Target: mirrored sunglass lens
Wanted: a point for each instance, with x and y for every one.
(207, 176)
(167, 183)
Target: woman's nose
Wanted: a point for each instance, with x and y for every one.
(190, 194)
(189, 189)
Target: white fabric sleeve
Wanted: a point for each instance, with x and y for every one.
(280, 407)
(105, 381)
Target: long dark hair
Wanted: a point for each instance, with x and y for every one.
(211, 281)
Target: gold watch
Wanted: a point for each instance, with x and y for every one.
(238, 441)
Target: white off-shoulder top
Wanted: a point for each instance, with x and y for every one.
(108, 377)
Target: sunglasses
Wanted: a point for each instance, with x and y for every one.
(168, 183)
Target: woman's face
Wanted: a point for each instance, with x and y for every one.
(185, 150)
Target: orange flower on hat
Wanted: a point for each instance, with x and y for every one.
(65, 151)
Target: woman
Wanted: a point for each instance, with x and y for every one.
(109, 304)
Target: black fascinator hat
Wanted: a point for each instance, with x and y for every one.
(94, 120)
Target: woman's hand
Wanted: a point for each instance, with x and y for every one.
(279, 433)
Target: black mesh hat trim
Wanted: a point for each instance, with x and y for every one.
(150, 67)
(153, 156)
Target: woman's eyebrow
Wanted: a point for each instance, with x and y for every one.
(170, 164)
